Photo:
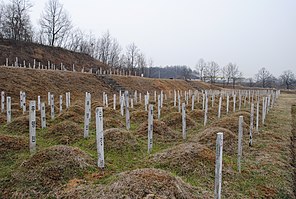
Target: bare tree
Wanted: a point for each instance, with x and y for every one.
(211, 71)
(226, 70)
(150, 65)
(264, 77)
(200, 67)
(122, 62)
(104, 47)
(287, 78)
(186, 72)
(234, 73)
(231, 72)
(15, 20)
(132, 52)
(114, 54)
(141, 62)
(250, 82)
(2, 10)
(55, 22)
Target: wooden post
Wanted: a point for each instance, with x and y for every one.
(161, 99)
(104, 98)
(16, 62)
(150, 128)
(251, 124)
(38, 103)
(121, 105)
(257, 115)
(175, 98)
(183, 121)
(24, 102)
(240, 138)
(192, 102)
(67, 105)
(127, 114)
(140, 98)
(158, 107)
(52, 106)
(100, 137)
(136, 97)
(203, 101)
(61, 103)
(86, 115)
(219, 109)
(240, 102)
(114, 101)
(43, 116)
(2, 102)
(218, 168)
(206, 109)
(146, 102)
(132, 103)
(179, 104)
(234, 102)
(48, 98)
(8, 109)
(32, 126)
(263, 111)
(21, 99)
(227, 104)
(69, 99)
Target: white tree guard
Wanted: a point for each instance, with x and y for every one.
(184, 133)
(100, 137)
(150, 128)
(86, 115)
(32, 125)
(43, 116)
(251, 124)
(218, 168)
(52, 107)
(127, 113)
(2, 101)
(8, 109)
(240, 138)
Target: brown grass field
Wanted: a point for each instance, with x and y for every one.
(64, 165)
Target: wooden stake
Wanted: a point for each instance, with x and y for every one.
(184, 121)
(86, 115)
(240, 138)
(218, 168)
(127, 114)
(251, 124)
(43, 116)
(150, 128)
(100, 137)
(219, 109)
(2, 102)
(32, 126)
(52, 106)
(8, 109)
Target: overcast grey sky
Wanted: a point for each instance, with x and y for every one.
(250, 33)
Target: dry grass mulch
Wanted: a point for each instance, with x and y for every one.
(66, 132)
(49, 169)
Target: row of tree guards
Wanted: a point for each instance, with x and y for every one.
(263, 98)
(62, 67)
